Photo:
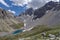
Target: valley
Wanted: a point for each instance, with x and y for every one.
(33, 24)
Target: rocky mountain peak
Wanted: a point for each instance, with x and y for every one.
(4, 13)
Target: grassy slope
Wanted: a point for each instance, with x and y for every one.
(17, 26)
(34, 33)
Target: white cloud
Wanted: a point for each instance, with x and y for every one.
(20, 2)
(38, 4)
(4, 3)
(31, 3)
(12, 11)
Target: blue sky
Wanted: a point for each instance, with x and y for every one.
(18, 6)
(17, 9)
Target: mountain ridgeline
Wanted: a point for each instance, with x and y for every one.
(49, 15)
(41, 11)
(31, 23)
(8, 22)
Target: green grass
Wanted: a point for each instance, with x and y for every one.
(17, 26)
(35, 33)
(39, 29)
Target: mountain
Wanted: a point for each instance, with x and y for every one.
(29, 12)
(52, 17)
(38, 13)
(8, 22)
(46, 15)
(41, 11)
(46, 20)
(42, 20)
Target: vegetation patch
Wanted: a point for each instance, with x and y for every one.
(35, 33)
(17, 26)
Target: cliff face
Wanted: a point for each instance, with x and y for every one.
(52, 17)
(38, 13)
